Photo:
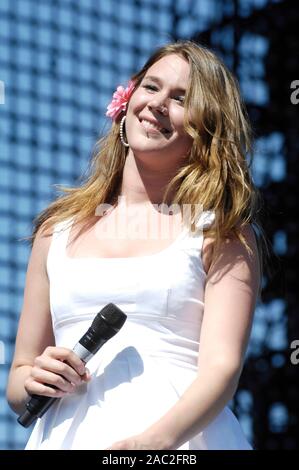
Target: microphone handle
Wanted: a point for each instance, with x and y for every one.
(37, 405)
(35, 408)
(104, 326)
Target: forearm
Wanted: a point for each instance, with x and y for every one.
(203, 400)
(16, 393)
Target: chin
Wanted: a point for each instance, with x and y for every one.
(143, 153)
(146, 147)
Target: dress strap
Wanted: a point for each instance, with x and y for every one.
(194, 239)
(205, 220)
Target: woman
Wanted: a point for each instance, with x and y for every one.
(179, 137)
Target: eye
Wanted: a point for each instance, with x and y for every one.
(179, 98)
(150, 87)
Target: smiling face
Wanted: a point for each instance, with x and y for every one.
(155, 115)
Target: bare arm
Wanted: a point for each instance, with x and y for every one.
(35, 356)
(230, 296)
(35, 329)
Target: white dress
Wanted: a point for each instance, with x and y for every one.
(143, 370)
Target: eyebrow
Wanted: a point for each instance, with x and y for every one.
(159, 81)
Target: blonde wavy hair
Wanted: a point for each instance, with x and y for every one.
(216, 173)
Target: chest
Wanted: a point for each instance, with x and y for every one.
(116, 236)
(119, 235)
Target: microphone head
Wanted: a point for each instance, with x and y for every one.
(104, 326)
(113, 316)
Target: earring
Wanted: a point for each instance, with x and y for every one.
(121, 132)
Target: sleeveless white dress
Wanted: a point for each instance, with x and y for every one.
(143, 370)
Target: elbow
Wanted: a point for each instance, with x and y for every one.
(11, 397)
(227, 371)
(231, 367)
(9, 391)
(11, 401)
(16, 395)
(16, 405)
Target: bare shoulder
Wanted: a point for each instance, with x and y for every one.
(207, 253)
(41, 245)
(248, 233)
(233, 246)
(237, 260)
(231, 249)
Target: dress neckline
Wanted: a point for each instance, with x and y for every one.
(71, 259)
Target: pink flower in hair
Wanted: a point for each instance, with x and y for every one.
(120, 100)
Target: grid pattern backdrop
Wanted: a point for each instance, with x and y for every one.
(60, 61)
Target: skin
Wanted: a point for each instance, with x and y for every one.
(153, 158)
(159, 99)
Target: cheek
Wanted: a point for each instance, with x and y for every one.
(137, 101)
(131, 114)
(133, 110)
(177, 118)
(131, 120)
(130, 108)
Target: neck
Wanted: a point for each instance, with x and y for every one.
(142, 184)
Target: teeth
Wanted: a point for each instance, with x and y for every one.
(151, 125)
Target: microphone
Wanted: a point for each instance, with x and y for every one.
(104, 326)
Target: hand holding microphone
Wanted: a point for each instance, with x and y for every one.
(56, 373)
(58, 370)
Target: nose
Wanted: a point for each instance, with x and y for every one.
(158, 104)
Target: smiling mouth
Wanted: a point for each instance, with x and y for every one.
(155, 128)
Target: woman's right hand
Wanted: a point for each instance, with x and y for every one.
(56, 367)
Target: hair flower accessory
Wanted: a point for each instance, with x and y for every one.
(120, 100)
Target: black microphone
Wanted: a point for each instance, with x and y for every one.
(104, 326)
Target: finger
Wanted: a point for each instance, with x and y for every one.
(66, 355)
(49, 378)
(86, 376)
(58, 367)
(35, 388)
